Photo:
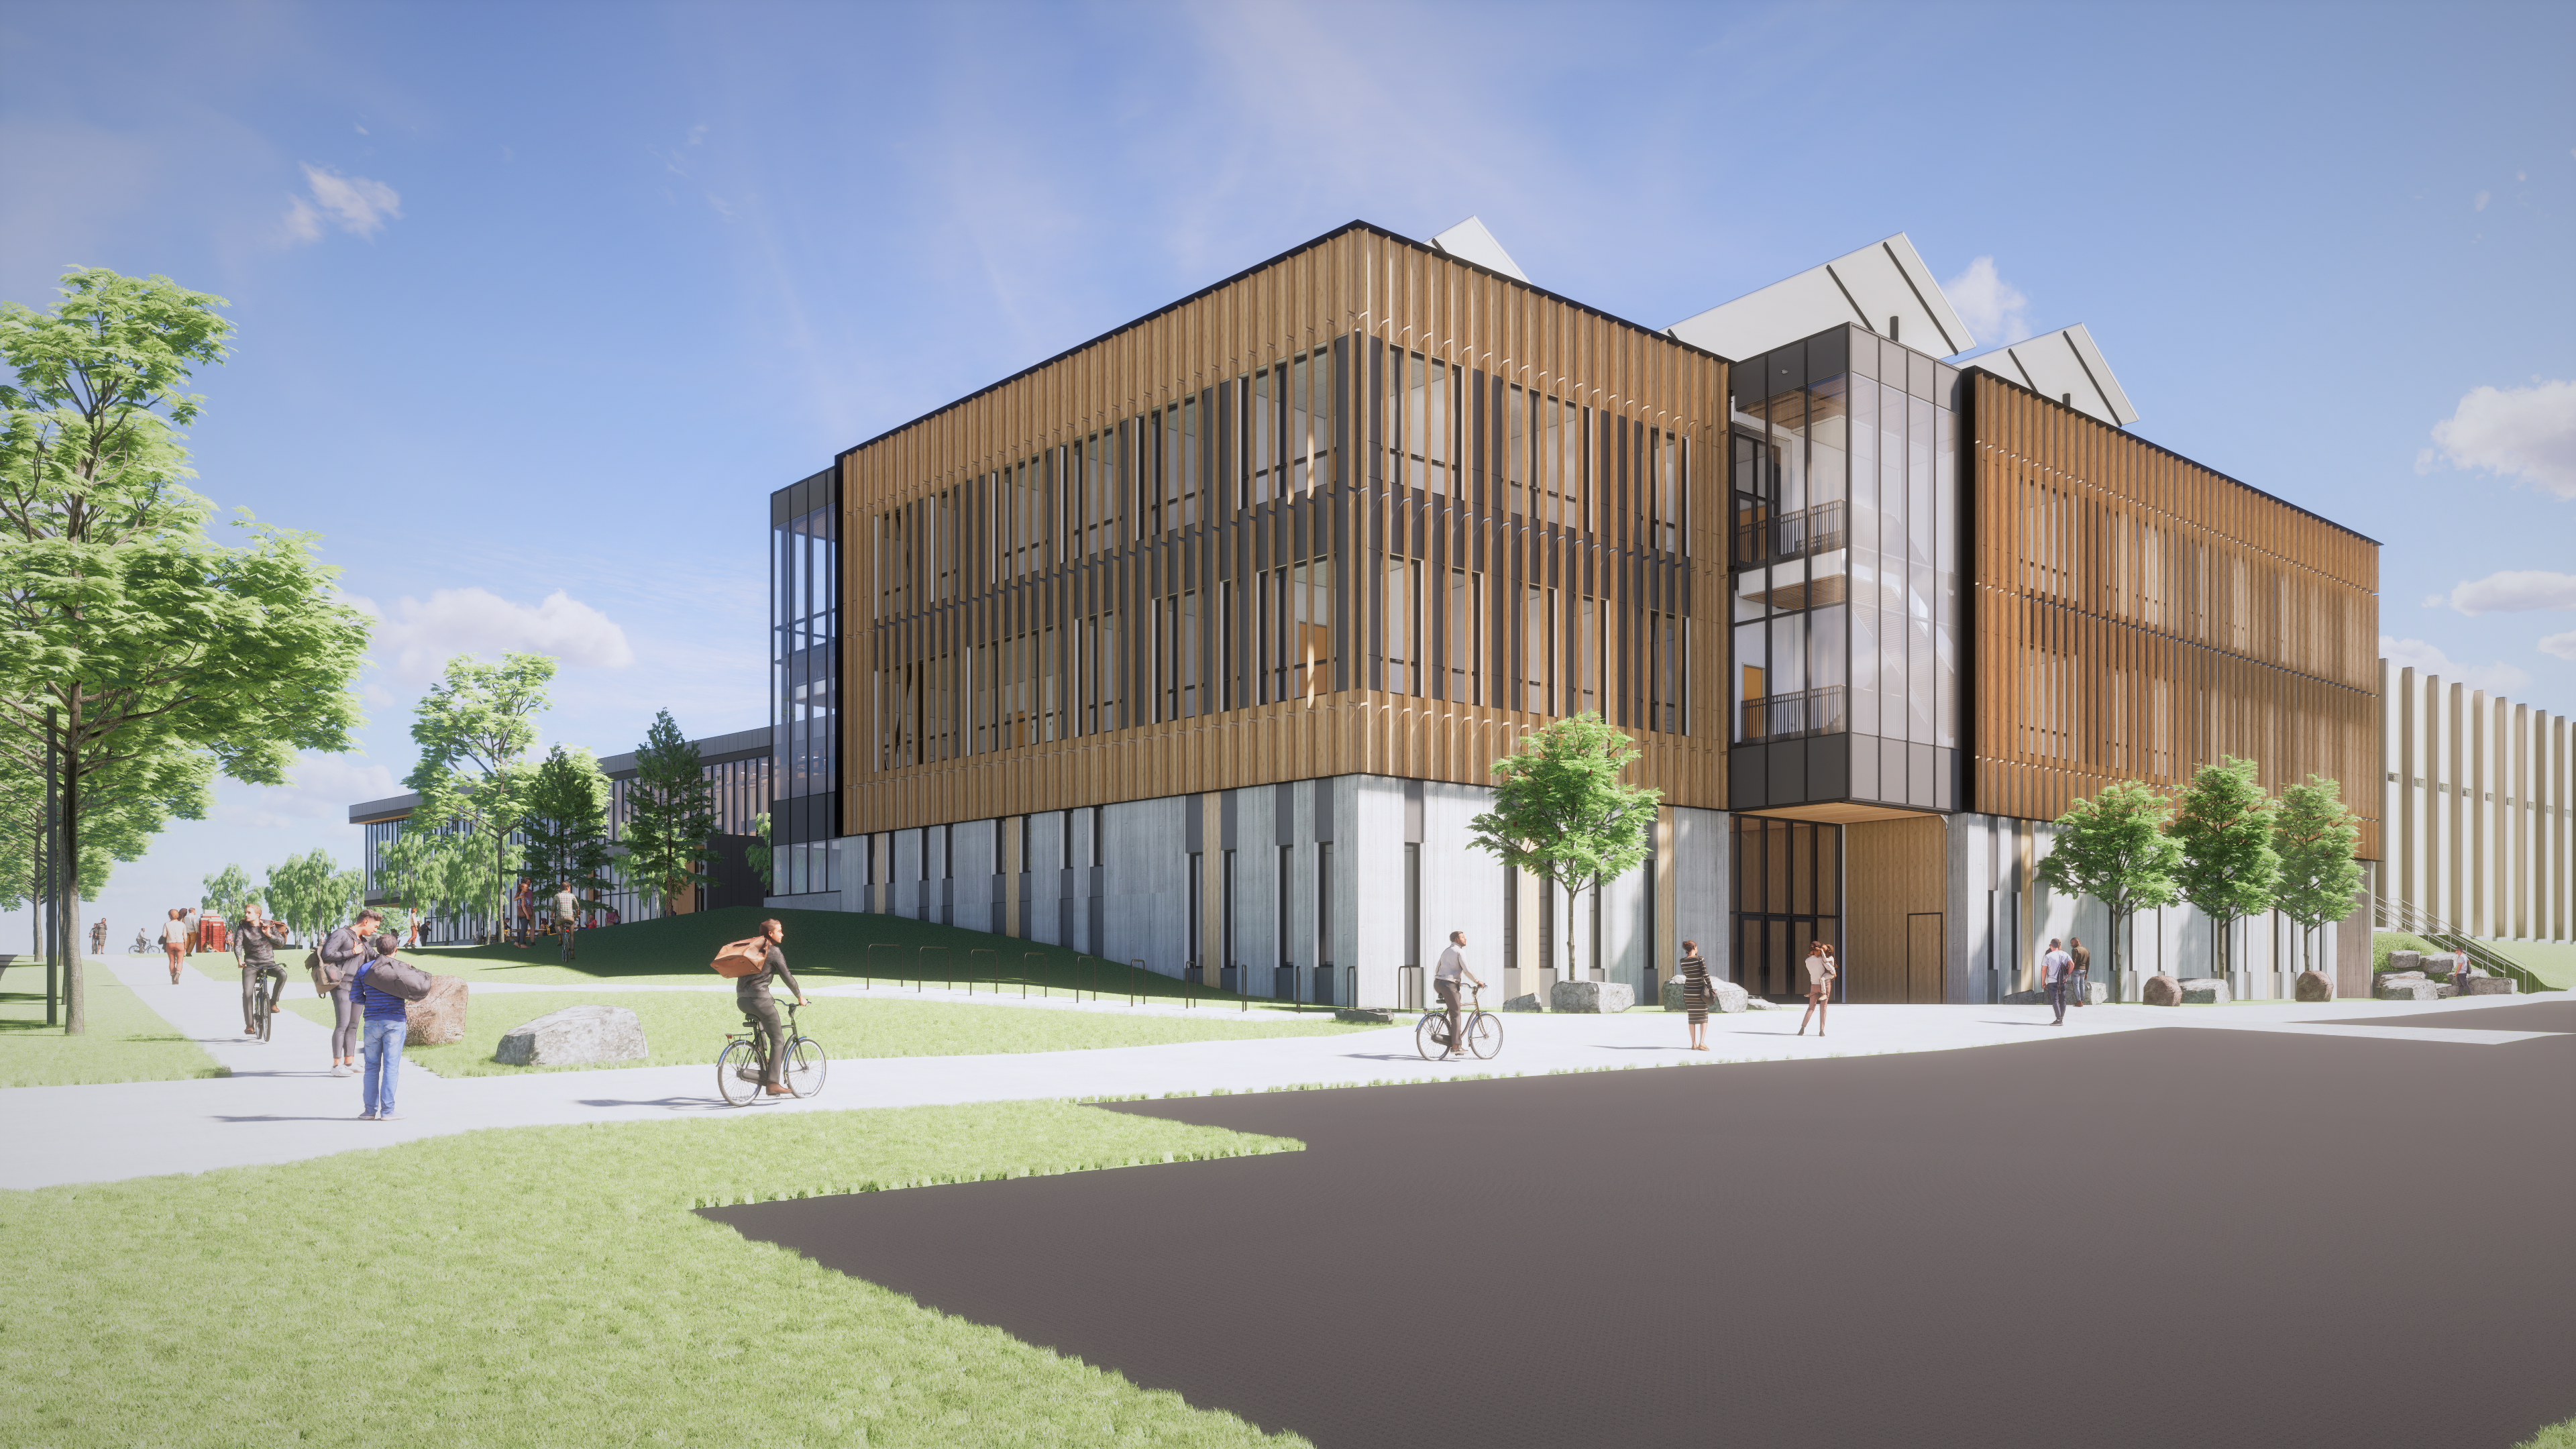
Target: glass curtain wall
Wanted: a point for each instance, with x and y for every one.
(805, 575)
(1788, 894)
(1846, 599)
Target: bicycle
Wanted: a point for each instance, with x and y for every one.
(263, 1000)
(743, 1066)
(1483, 1030)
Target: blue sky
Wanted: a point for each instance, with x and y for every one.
(538, 301)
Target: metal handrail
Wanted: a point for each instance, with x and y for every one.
(2406, 916)
(1790, 716)
(1818, 529)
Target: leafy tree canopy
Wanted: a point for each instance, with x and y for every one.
(312, 894)
(229, 892)
(2316, 837)
(2113, 848)
(671, 814)
(565, 824)
(1560, 811)
(2223, 822)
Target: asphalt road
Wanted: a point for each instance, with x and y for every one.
(2157, 1238)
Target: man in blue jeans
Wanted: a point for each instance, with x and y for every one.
(385, 1025)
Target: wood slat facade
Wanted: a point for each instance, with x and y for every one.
(2136, 615)
(934, 605)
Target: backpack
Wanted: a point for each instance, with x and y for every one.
(397, 977)
(742, 958)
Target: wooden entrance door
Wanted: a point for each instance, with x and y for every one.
(1923, 957)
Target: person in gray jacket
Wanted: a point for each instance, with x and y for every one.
(342, 952)
(255, 939)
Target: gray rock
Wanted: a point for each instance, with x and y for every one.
(2403, 976)
(1728, 997)
(1529, 1002)
(2025, 998)
(2405, 960)
(2315, 986)
(1593, 997)
(2405, 989)
(2443, 990)
(2161, 991)
(2490, 986)
(575, 1036)
(437, 1017)
(1369, 1015)
(2206, 991)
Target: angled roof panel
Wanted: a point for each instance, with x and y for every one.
(2066, 365)
(1883, 286)
(1470, 241)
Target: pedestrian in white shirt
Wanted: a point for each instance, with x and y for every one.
(1445, 979)
(2056, 970)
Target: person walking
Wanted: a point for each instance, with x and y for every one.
(98, 938)
(2081, 988)
(567, 915)
(2056, 969)
(386, 1025)
(1696, 993)
(1821, 972)
(340, 955)
(751, 993)
(174, 943)
(255, 952)
(1444, 980)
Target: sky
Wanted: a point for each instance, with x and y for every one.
(537, 302)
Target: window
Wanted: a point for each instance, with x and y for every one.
(1401, 626)
(1463, 646)
(1538, 650)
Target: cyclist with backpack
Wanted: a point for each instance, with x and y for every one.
(751, 993)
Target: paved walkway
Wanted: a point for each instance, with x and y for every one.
(281, 1104)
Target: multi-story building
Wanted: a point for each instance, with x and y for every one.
(1194, 644)
(738, 768)
(2481, 813)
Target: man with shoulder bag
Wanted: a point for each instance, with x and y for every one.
(334, 965)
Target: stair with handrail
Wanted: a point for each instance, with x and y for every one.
(2397, 915)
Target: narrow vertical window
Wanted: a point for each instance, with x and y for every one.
(1400, 624)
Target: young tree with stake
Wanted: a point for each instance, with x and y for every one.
(2114, 849)
(1561, 814)
(2316, 837)
(2224, 824)
(148, 654)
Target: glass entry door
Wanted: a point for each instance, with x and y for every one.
(1788, 895)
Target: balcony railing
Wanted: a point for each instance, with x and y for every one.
(1790, 716)
(1791, 535)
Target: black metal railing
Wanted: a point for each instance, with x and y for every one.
(2400, 915)
(1790, 535)
(1789, 716)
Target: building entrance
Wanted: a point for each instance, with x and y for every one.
(1788, 895)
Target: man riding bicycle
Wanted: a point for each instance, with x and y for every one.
(255, 948)
(1453, 965)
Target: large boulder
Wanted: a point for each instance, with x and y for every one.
(2205, 991)
(437, 1017)
(2405, 961)
(2161, 991)
(2403, 976)
(1596, 997)
(1526, 1002)
(2405, 988)
(1728, 997)
(2490, 986)
(2315, 986)
(575, 1036)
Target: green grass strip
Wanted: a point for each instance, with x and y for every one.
(127, 1041)
(689, 1027)
(549, 1286)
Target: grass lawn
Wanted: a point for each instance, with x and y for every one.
(2554, 962)
(127, 1040)
(688, 1027)
(822, 946)
(550, 1286)
(2561, 1435)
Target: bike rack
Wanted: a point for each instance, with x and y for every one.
(997, 972)
(869, 963)
(1042, 988)
(922, 968)
(1136, 984)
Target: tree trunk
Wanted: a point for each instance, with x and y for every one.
(67, 898)
(1571, 965)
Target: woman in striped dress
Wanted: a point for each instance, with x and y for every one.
(1696, 994)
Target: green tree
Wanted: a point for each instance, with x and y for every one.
(474, 728)
(312, 894)
(2113, 848)
(2223, 822)
(154, 654)
(2316, 837)
(430, 871)
(565, 824)
(1561, 814)
(671, 815)
(761, 853)
(229, 891)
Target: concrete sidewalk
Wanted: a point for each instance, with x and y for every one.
(281, 1105)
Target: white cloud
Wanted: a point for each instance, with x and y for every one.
(2525, 432)
(2423, 658)
(355, 204)
(2560, 646)
(319, 787)
(1992, 307)
(2481, 203)
(419, 636)
(2515, 591)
